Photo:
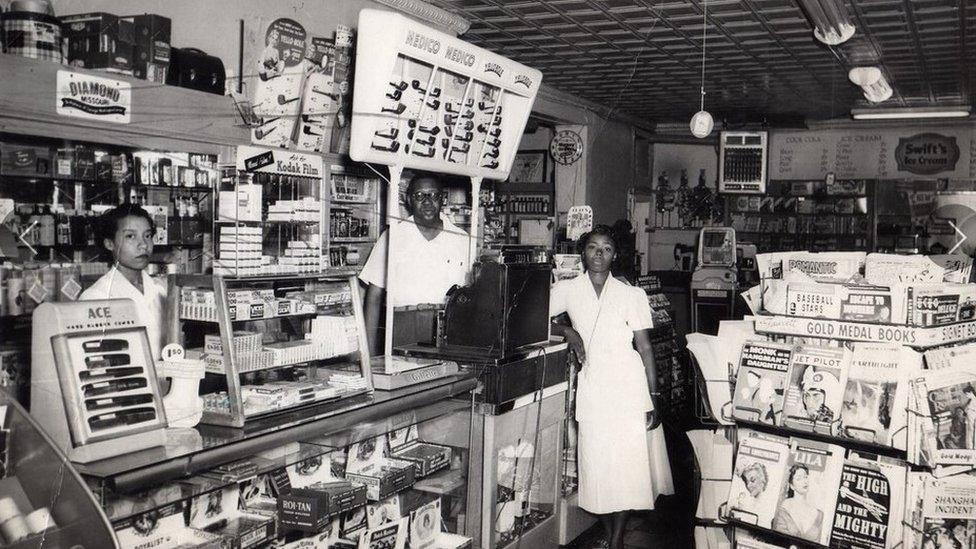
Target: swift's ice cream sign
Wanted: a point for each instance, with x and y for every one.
(93, 97)
(927, 153)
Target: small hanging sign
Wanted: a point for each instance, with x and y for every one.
(579, 221)
(93, 97)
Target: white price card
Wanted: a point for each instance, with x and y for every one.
(579, 221)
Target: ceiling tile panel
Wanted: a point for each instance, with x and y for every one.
(644, 56)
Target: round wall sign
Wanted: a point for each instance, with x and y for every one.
(288, 38)
(566, 147)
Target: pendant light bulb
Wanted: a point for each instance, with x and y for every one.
(702, 124)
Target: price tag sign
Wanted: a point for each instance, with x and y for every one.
(173, 352)
(579, 220)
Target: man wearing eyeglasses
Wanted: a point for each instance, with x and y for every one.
(429, 255)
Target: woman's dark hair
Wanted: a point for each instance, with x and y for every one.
(599, 230)
(108, 224)
(794, 469)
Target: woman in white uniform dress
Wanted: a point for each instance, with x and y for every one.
(616, 395)
(128, 232)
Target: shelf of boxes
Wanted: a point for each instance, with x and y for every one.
(354, 216)
(304, 333)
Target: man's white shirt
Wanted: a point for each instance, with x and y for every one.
(424, 270)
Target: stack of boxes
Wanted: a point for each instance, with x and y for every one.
(306, 209)
(302, 256)
(135, 46)
(197, 304)
(248, 352)
(338, 335)
(239, 251)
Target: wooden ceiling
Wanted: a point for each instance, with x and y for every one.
(762, 63)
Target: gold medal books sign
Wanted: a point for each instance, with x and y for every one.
(93, 382)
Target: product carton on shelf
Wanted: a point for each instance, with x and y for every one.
(242, 204)
(855, 303)
(311, 509)
(383, 476)
(405, 444)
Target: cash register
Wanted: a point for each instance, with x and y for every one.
(499, 324)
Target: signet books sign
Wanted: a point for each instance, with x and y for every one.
(927, 153)
(93, 97)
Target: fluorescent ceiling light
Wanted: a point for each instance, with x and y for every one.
(910, 112)
(831, 24)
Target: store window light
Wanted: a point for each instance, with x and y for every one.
(872, 81)
(831, 24)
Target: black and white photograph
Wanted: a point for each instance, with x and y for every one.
(482, 274)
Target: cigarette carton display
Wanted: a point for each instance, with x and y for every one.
(383, 481)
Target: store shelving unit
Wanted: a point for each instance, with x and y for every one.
(519, 454)
(812, 215)
(674, 383)
(142, 484)
(524, 201)
(352, 209)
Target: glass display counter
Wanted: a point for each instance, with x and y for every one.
(229, 485)
(571, 520)
(514, 471)
(48, 504)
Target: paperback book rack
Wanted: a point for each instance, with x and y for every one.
(842, 433)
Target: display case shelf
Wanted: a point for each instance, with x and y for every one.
(350, 240)
(199, 484)
(849, 443)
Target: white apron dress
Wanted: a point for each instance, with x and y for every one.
(612, 396)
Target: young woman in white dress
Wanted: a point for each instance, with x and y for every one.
(617, 396)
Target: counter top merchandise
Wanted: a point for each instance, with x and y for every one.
(853, 415)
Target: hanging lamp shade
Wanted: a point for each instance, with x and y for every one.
(872, 81)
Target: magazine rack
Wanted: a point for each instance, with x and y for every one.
(778, 328)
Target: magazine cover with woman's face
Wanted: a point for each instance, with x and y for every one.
(759, 465)
(810, 488)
